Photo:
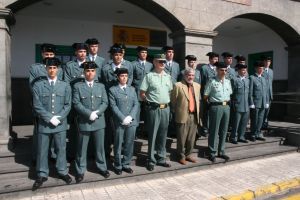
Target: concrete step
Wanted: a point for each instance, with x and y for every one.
(20, 181)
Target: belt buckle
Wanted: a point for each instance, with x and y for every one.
(224, 103)
(161, 106)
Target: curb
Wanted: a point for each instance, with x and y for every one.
(263, 190)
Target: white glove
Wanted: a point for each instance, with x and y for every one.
(267, 105)
(55, 121)
(252, 106)
(94, 115)
(127, 120)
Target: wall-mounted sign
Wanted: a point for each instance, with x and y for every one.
(244, 2)
(139, 36)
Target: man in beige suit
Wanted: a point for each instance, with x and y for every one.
(185, 100)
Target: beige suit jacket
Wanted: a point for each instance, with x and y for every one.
(180, 101)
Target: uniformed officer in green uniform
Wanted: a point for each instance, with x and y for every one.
(108, 76)
(37, 71)
(72, 69)
(172, 68)
(207, 72)
(124, 105)
(240, 105)
(126, 63)
(217, 92)
(90, 101)
(268, 74)
(155, 90)
(109, 79)
(258, 101)
(240, 59)
(191, 63)
(73, 73)
(52, 103)
(231, 74)
(93, 49)
(141, 67)
(227, 58)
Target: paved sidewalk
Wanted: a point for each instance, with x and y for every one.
(228, 179)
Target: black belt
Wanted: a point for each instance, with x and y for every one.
(224, 103)
(156, 105)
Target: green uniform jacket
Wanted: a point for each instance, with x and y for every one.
(85, 101)
(269, 79)
(206, 74)
(48, 103)
(109, 78)
(37, 70)
(231, 73)
(139, 72)
(72, 71)
(240, 96)
(258, 91)
(173, 71)
(123, 103)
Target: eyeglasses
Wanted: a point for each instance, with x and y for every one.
(162, 61)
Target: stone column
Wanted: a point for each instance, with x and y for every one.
(192, 41)
(6, 18)
(293, 111)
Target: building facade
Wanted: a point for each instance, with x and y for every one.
(247, 27)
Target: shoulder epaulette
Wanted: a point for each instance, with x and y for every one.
(39, 78)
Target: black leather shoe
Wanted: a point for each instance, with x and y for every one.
(164, 164)
(212, 159)
(105, 174)
(226, 158)
(261, 138)
(79, 178)
(117, 171)
(150, 167)
(252, 139)
(242, 141)
(66, 178)
(38, 182)
(233, 141)
(128, 170)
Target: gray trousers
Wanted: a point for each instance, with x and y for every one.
(257, 118)
(218, 126)
(186, 133)
(239, 125)
(82, 145)
(123, 142)
(43, 140)
(157, 127)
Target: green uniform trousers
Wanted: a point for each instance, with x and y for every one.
(204, 114)
(218, 126)
(82, 145)
(239, 125)
(123, 144)
(157, 127)
(186, 134)
(44, 139)
(257, 118)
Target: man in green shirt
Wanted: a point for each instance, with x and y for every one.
(217, 92)
(155, 91)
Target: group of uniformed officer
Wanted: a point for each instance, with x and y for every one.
(107, 100)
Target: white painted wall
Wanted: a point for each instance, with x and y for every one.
(30, 30)
(255, 43)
